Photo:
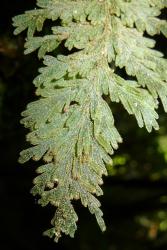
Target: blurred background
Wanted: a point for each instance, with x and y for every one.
(135, 193)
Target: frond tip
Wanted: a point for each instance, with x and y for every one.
(71, 125)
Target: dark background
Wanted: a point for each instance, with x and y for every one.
(135, 193)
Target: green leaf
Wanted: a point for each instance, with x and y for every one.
(72, 128)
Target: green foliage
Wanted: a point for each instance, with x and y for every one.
(71, 125)
(154, 224)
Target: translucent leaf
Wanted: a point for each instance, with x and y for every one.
(72, 128)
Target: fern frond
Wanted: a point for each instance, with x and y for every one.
(71, 124)
(143, 16)
(135, 53)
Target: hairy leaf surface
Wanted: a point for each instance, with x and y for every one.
(71, 124)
